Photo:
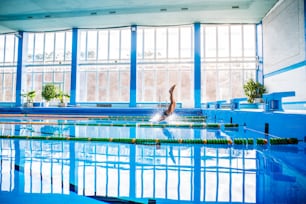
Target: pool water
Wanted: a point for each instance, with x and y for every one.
(58, 171)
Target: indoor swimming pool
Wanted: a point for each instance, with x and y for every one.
(132, 159)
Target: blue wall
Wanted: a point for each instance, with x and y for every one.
(280, 123)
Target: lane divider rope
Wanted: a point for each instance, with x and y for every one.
(216, 141)
(155, 125)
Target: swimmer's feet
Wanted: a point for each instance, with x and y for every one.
(172, 88)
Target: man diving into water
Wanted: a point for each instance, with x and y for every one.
(171, 106)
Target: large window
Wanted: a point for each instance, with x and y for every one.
(104, 65)
(48, 61)
(8, 63)
(228, 60)
(165, 57)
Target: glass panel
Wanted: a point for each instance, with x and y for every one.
(224, 85)
(186, 42)
(49, 47)
(9, 49)
(107, 83)
(39, 47)
(223, 41)
(237, 83)
(82, 45)
(249, 40)
(60, 46)
(210, 43)
(125, 44)
(30, 52)
(91, 45)
(37, 76)
(161, 43)
(140, 47)
(68, 47)
(155, 77)
(211, 85)
(173, 42)
(114, 44)
(236, 41)
(228, 82)
(149, 43)
(2, 43)
(103, 45)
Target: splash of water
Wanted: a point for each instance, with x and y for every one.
(156, 118)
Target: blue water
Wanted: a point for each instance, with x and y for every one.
(44, 171)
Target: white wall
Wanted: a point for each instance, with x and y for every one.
(284, 46)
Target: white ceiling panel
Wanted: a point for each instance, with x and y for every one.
(47, 15)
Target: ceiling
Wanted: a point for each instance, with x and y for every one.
(50, 15)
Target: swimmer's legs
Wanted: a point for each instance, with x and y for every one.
(172, 105)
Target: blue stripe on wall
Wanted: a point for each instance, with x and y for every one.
(133, 64)
(197, 65)
(286, 69)
(74, 64)
(19, 70)
(259, 53)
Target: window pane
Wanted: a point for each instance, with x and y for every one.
(227, 82)
(149, 41)
(223, 41)
(125, 44)
(39, 47)
(249, 40)
(31, 47)
(107, 82)
(173, 45)
(103, 45)
(68, 47)
(224, 85)
(10, 48)
(155, 77)
(114, 44)
(186, 42)
(237, 83)
(49, 47)
(59, 46)
(236, 41)
(82, 45)
(91, 45)
(210, 43)
(2, 43)
(161, 43)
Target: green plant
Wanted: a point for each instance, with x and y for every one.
(29, 96)
(253, 90)
(49, 92)
(61, 96)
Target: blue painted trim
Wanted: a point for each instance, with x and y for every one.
(286, 69)
(259, 53)
(197, 65)
(295, 102)
(19, 69)
(133, 63)
(74, 65)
